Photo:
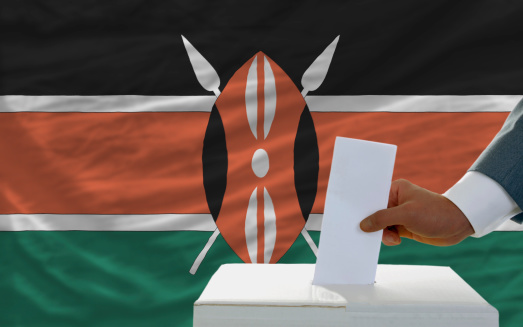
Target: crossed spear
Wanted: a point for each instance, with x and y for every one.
(210, 81)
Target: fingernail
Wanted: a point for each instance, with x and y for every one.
(365, 225)
(391, 238)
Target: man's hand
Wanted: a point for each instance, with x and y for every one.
(418, 214)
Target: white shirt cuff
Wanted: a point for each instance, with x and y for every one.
(483, 201)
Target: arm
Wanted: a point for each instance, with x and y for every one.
(431, 218)
(502, 160)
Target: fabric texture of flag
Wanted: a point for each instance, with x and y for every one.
(122, 163)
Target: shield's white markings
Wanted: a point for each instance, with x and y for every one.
(260, 163)
(251, 96)
(251, 227)
(270, 226)
(270, 97)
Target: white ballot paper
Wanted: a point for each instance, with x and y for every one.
(359, 185)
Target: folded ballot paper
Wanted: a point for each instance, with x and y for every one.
(346, 287)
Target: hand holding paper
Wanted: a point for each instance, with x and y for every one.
(421, 215)
(359, 185)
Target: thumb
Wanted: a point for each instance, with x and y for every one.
(382, 219)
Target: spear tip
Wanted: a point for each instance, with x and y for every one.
(315, 74)
(205, 73)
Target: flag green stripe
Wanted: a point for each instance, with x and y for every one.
(79, 278)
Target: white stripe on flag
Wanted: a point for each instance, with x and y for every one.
(363, 103)
(410, 103)
(314, 222)
(62, 222)
(157, 222)
(109, 103)
(510, 226)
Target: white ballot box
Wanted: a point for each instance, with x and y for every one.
(283, 295)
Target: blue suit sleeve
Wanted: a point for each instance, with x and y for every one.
(502, 160)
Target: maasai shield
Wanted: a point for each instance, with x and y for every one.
(260, 161)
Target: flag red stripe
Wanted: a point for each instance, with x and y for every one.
(129, 163)
(434, 149)
(147, 163)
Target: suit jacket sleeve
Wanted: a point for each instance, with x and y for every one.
(502, 160)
